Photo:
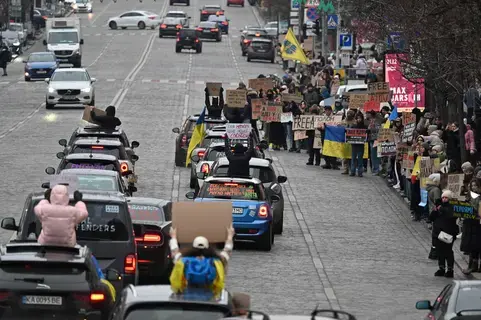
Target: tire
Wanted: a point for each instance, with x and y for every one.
(113, 25)
(228, 4)
(123, 28)
(160, 35)
(279, 226)
(248, 59)
(193, 182)
(141, 25)
(242, 5)
(48, 105)
(273, 60)
(171, 3)
(266, 240)
(187, 3)
(178, 49)
(218, 39)
(244, 53)
(27, 79)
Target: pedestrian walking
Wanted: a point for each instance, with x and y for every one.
(5, 57)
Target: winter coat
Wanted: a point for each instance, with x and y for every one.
(470, 145)
(107, 122)
(238, 161)
(443, 220)
(5, 57)
(434, 195)
(452, 150)
(471, 237)
(312, 98)
(59, 219)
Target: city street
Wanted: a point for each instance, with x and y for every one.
(348, 243)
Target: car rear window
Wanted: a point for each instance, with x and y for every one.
(208, 125)
(265, 175)
(112, 151)
(228, 190)
(215, 154)
(175, 15)
(207, 24)
(84, 164)
(261, 45)
(182, 312)
(209, 140)
(54, 270)
(146, 212)
(188, 33)
(97, 182)
(468, 298)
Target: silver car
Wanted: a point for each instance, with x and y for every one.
(82, 6)
(70, 86)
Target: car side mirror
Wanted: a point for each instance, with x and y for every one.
(264, 145)
(420, 305)
(135, 144)
(134, 157)
(112, 274)
(50, 170)
(24, 61)
(62, 142)
(132, 189)
(275, 198)
(81, 41)
(9, 224)
(256, 315)
(176, 130)
(92, 80)
(269, 159)
(46, 185)
(195, 158)
(201, 175)
(281, 179)
(190, 195)
(189, 17)
(47, 80)
(44, 42)
(60, 155)
(127, 173)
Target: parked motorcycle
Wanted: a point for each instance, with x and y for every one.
(13, 42)
(16, 48)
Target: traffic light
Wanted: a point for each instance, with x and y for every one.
(316, 26)
(304, 31)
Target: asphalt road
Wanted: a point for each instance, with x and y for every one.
(348, 242)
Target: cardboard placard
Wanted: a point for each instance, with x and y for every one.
(356, 136)
(426, 166)
(410, 160)
(386, 149)
(372, 106)
(261, 83)
(408, 132)
(69, 180)
(271, 114)
(335, 86)
(379, 97)
(236, 98)
(357, 100)
(408, 117)
(300, 135)
(317, 141)
(463, 209)
(288, 97)
(256, 105)
(385, 134)
(214, 88)
(287, 117)
(308, 43)
(207, 219)
(378, 87)
(238, 130)
(455, 184)
(86, 114)
(304, 122)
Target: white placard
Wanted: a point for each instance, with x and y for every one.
(67, 179)
(287, 117)
(238, 130)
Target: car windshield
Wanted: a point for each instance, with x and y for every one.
(62, 37)
(41, 58)
(210, 8)
(217, 18)
(85, 164)
(177, 312)
(112, 151)
(146, 212)
(176, 15)
(215, 154)
(207, 25)
(264, 174)
(70, 76)
(171, 21)
(228, 190)
(81, 1)
(468, 298)
(97, 182)
(15, 27)
(261, 45)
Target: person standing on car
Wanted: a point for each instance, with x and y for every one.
(108, 121)
(5, 57)
(239, 159)
(58, 218)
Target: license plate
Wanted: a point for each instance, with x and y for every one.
(262, 50)
(206, 31)
(68, 98)
(42, 300)
(41, 72)
(62, 60)
(187, 47)
(237, 210)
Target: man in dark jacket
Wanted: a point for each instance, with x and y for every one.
(239, 159)
(109, 121)
(453, 151)
(5, 57)
(311, 96)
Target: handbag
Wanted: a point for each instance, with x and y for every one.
(444, 237)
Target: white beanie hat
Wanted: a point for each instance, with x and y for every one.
(200, 243)
(447, 194)
(435, 178)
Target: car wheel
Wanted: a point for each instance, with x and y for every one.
(178, 49)
(266, 240)
(272, 60)
(244, 53)
(219, 39)
(193, 181)
(171, 3)
(141, 25)
(112, 25)
(248, 59)
(48, 105)
(179, 162)
(242, 5)
(123, 28)
(187, 3)
(160, 35)
(27, 78)
(279, 226)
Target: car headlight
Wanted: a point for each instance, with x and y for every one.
(86, 90)
(51, 90)
(89, 5)
(74, 6)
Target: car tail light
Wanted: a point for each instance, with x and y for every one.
(200, 154)
(225, 23)
(178, 39)
(199, 29)
(246, 41)
(98, 147)
(4, 295)
(163, 26)
(196, 40)
(152, 17)
(204, 12)
(178, 26)
(44, 17)
(214, 30)
(184, 138)
(124, 167)
(149, 237)
(263, 211)
(97, 297)
(85, 298)
(205, 168)
(130, 264)
(231, 184)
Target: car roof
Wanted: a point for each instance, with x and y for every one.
(255, 162)
(81, 172)
(173, 19)
(230, 179)
(164, 293)
(355, 86)
(96, 141)
(89, 195)
(210, 134)
(35, 252)
(195, 117)
(98, 130)
(93, 156)
(155, 202)
(70, 69)
(216, 145)
(176, 12)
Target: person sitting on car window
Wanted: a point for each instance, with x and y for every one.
(239, 159)
(109, 121)
(200, 266)
(58, 218)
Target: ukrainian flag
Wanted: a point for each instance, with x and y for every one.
(393, 116)
(335, 144)
(197, 136)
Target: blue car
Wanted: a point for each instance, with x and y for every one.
(222, 21)
(252, 214)
(40, 65)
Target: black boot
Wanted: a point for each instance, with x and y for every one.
(433, 255)
(476, 266)
(449, 273)
(440, 273)
(469, 269)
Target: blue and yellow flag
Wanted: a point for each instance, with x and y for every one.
(335, 144)
(197, 136)
(393, 116)
(291, 49)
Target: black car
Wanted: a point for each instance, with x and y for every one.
(108, 232)
(171, 26)
(188, 39)
(210, 30)
(209, 10)
(156, 302)
(185, 133)
(152, 219)
(252, 35)
(40, 281)
(261, 49)
(172, 2)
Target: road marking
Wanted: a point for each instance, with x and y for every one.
(110, 80)
(22, 122)
(99, 15)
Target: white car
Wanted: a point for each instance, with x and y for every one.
(72, 86)
(82, 6)
(203, 164)
(21, 30)
(137, 19)
(271, 27)
(177, 14)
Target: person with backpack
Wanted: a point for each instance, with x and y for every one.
(199, 266)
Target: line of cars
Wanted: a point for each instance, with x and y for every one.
(257, 200)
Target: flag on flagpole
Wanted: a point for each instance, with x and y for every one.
(393, 116)
(291, 49)
(197, 136)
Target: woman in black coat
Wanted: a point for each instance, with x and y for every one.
(471, 237)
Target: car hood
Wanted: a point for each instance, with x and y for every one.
(235, 203)
(69, 84)
(62, 46)
(40, 65)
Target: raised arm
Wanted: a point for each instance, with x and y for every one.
(174, 245)
(228, 151)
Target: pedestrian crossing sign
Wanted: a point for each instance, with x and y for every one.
(332, 21)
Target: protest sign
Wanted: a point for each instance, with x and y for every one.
(256, 108)
(286, 97)
(409, 122)
(426, 166)
(410, 160)
(305, 122)
(317, 141)
(238, 130)
(462, 209)
(356, 136)
(300, 135)
(236, 98)
(68, 180)
(378, 91)
(261, 83)
(286, 117)
(372, 106)
(357, 100)
(271, 113)
(193, 219)
(214, 88)
(86, 114)
(455, 184)
(335, 86)
(386, 149)
(385, 134)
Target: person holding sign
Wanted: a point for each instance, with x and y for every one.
(215, 109)
(239, 159)
(109, 121)
(357, 149)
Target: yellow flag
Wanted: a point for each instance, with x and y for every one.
(387, 124)
(291, 49)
